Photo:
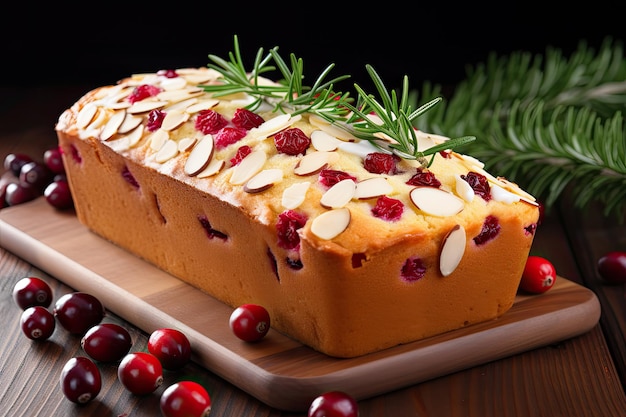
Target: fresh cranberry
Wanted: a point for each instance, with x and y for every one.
(140, 372)
(59, 195)
(424, 178)
(228, 135)
(53, 159)
(77, 312)
(387, 208)
(246, 119)
(334, 404)
(490, 229)
(242, 152)
(479, 184)
(106, 342)
(380, 163)
(13, 162)
(32, 291)
(37, 323)
(539, 275)
(250, 322)
(185, 399)
(80, 380)
(17, 193)
(612, 267)
(292, 141)
(155, 120)
(287, 226)
(209, 121)
(171, 347)
(413, 269)
(142, 92)
(35, 174)
(330, 177)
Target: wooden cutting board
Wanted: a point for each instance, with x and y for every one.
(278, 370)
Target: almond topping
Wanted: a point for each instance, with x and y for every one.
(436, 202)
(452, 250)
(248, 167)
(167, 151)
(331, 223)
(111, 126)
(145, 106)
(200, 156)
(295, 194)
(173, 119)
(202, 105)
(372, 187)
(215, 165)
(86, 115)
(158, 139)
(263, 180)
(130, 123)
(272, 126)
(186, 144)
(339, 194)
(323, 141)
(313, 162)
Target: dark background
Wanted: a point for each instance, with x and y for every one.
(94, 43)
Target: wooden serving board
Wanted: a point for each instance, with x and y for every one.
(277, 370)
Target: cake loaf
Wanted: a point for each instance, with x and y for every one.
(350, 244)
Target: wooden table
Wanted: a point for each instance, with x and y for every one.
(581, 376)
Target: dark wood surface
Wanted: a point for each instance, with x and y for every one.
(581, 376)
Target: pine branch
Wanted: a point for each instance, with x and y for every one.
(547, 122)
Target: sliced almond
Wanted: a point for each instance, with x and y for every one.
(248, 167)
(294, 195)
(331, 223)
(202, 105)
(339, 194)
(145, 106)
(331, 129)
(436, 202)
(452, 250)
(272, 126)
(361, 148)
(200, 156)
(86, 115)
(130, 122)
(158, 139)
(372, 187)
(314, 162)
(112, 125)
(263, 180)
(215, 165)
(135, 136)
(173, 84)
(181, 105)
(174, 119)
(463, 189)
(322, 141)
(167, 151)
(186, 144)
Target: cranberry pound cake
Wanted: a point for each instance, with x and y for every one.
(355, 229)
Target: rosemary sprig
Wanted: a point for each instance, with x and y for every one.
(552, 124)
(395, 133)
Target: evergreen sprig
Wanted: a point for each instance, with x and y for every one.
(394, 133)
(550, 123)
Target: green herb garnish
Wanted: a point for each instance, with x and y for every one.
(394, 133)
